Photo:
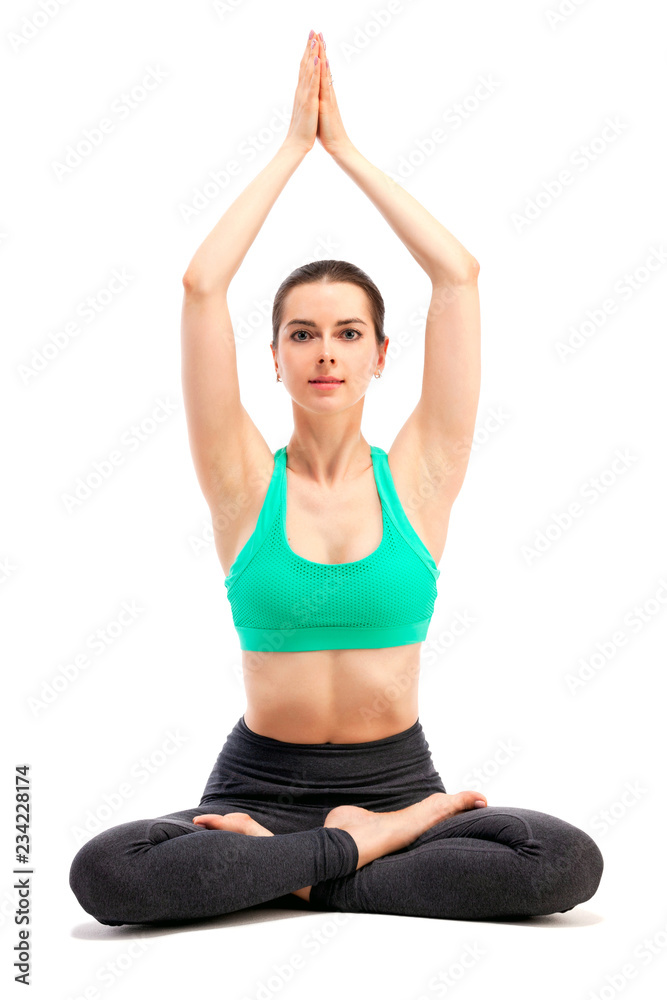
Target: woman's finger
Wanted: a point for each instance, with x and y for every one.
(303, 66)
(326, 71)
(326, 80)
(311, 48)
(316, 62)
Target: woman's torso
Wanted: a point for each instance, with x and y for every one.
(329, 695)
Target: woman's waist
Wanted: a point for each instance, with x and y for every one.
(332, 696)
(251, 765)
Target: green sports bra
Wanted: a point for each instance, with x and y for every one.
(283, 602)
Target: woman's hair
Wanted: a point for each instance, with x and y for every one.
(330, 271)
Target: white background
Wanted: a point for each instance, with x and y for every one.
(593, 755)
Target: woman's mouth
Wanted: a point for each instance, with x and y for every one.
(326, 383)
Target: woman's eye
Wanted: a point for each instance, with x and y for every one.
(356, 332)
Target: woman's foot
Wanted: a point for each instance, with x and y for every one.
(235, 822)
(375, 833)
(242, 823)
(380, 833)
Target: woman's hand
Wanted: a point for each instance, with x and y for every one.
(330, 130)
(303, 125)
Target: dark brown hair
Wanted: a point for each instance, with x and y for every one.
(330, 271)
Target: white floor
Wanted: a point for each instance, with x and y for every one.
(610, 946)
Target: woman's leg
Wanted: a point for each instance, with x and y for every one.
(169, 869)
(481, 864)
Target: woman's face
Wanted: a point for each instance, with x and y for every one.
(327, 331)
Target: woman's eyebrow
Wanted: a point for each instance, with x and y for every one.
(341, 322)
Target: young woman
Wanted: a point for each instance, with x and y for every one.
(325, 788)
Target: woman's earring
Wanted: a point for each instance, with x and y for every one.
(278, 378)
(378, 374)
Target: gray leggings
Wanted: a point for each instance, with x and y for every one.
(498, 861)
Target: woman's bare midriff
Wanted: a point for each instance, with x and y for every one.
(332, 696)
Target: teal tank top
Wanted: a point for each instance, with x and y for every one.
(282, 602)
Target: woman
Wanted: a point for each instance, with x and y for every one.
(325, 788)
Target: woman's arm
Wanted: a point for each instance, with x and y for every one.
(443, 422)
(436, 250)
(224, 441)
(220, 255)
(440, 254)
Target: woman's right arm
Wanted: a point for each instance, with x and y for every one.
(220, 255)
(224, 441)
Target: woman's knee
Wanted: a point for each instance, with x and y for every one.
(570, 863)
(102, 874)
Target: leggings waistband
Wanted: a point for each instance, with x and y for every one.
(268, 741)
(252, 766)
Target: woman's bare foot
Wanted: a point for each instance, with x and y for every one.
(236, 822)
(380, 833)
(242, 823)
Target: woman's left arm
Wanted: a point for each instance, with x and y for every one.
(443, 422)
(436, 250)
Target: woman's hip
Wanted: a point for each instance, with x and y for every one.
(382, 775)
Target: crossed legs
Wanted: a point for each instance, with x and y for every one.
(478, 864)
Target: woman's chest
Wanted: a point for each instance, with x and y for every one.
(333, 526)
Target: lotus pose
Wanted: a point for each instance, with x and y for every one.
(324, 794)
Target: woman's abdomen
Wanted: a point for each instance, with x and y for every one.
(332, 696)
